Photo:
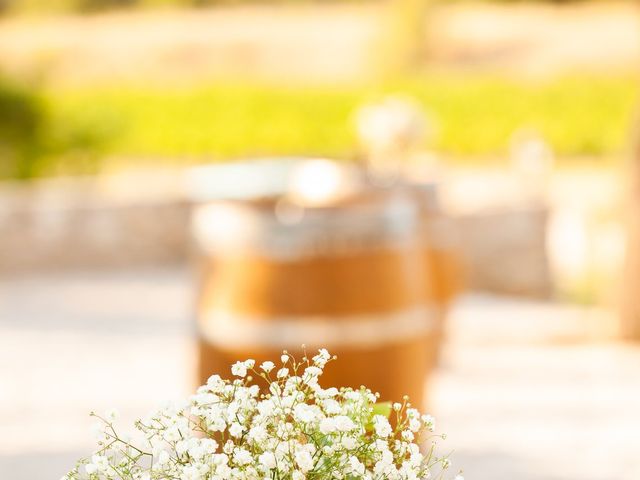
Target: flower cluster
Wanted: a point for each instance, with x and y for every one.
(291, 429)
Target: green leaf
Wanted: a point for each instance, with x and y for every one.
(383, 408)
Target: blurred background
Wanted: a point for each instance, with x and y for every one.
(507, 127)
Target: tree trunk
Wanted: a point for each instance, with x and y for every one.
(402, 48)
(630, 301)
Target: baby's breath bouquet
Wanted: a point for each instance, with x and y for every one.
(292, 429)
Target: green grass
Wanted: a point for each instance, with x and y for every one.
(476, 116)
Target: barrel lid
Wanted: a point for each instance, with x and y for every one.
(241, 180)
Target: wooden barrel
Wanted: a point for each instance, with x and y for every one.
(441, 259)
(345, 277)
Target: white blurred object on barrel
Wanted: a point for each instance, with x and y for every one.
(390, 131)
(393, 133)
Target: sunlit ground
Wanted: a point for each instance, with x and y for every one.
(524, 390)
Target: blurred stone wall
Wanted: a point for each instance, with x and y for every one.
(74, 224)
(141, 220)
(505, 251)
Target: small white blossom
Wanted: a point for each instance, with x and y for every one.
(163, 458)
(327, 425)
(267, 366)
(407, 435)
(349, 443)
(239, 369)
(268, 460)
(382, 426)
(304, 413)
(241, 456)
(357, 467)
(111, 415)
(99, 463)
(235, 430)
(304, 460)
(344, 423)
(429, 422)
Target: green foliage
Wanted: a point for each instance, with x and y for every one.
(576, 115)
(21, 122)
(76, 130)
(37, 140)
(218, 120)
(476, 116)
(382, 408)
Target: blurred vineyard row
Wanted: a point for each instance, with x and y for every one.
(83, 6)
(77, 130)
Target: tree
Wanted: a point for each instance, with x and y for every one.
(403, 41)
(630, 302)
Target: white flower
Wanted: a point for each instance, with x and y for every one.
(284, 358)
(258, 433)
(304, 413)
(182, 447)
(99, 463)
(193, 472)
(313, 371)
(239, 369)
(327, 393)
(241, 456)
(349, 443)
(304, 460)
(429, 422)
(327, 425)
(267, 366)
(235, 430)
(111, 415)
(163, 458)
(344, 423)
(381, 426)
(268, 460)
(407, 435)
(414, 424)
(357, 467)
(283, 372)
(215, 382)
(172, 434)
(321, 358)
(458, 477)
(331, 406)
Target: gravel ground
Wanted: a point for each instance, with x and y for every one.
(522, 392)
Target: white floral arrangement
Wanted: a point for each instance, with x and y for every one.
(295, 430)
